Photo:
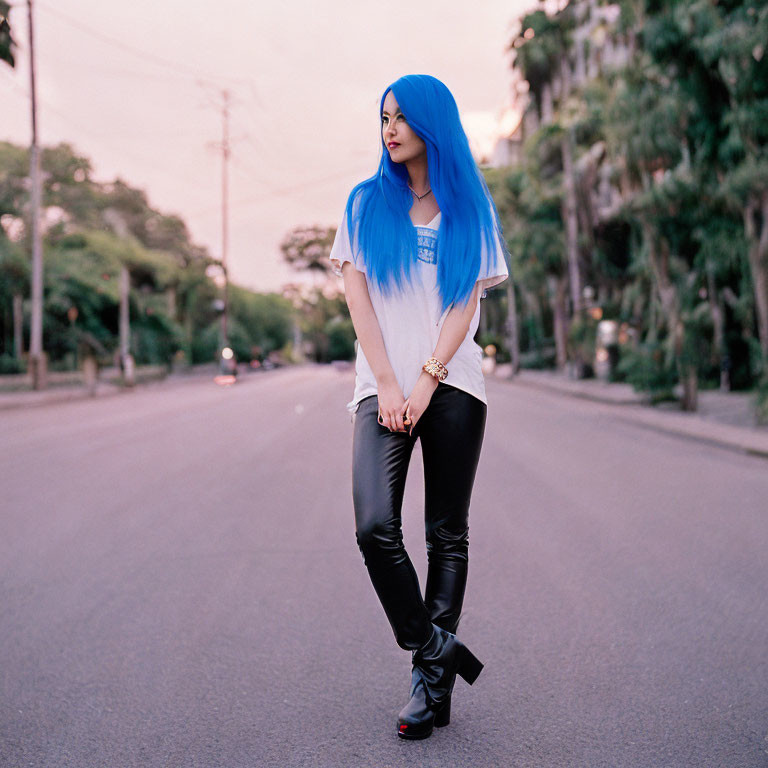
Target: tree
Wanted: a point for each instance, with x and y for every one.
(542, 54)
(308, 248)
(94, 231)
(7, 43)
(711, 78)
(648, 130)
(14, 285)
(263, 323)
(735, 47)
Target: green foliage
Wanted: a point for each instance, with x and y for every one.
(648, 368)
(155, 338)
(10, 364)
(14, 270)
(239, 339)
(205, 344)
(307, 249)
(7, 43)
(678, 136)
(101, 229)
(81, 273)
(582, 341)
(540, 47)
(266, 320)
(530, 215)
(341, 339)
(538, 359)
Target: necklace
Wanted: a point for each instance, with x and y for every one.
(420, 197)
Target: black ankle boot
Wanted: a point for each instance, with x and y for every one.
(435, 666)
(416, 710)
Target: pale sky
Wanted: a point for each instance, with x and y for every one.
(121, 82)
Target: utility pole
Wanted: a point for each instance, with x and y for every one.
(225, 152)
(126, 359)
(37, 361)
(224, 102)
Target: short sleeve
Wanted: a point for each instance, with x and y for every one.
(493, 270)
(341, 250)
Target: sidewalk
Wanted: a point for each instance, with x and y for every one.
(65, 393)
(724, 418)
(25, 398)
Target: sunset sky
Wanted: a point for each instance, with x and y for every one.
(136, 87)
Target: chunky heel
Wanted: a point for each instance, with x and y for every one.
(443, 715)
(469, 665)
(435, 666)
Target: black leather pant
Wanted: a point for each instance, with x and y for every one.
(451, 431)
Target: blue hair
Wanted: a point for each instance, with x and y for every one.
(380, 229)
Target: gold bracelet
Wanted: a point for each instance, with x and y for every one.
(438, 364)
(435, 368)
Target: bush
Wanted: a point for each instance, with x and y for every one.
(9, 364)
(341, 339)
(205, 344)
(539, 359)
(647, 369)
(582, 336)
(155, 339)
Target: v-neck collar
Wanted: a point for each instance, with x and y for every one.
(429, 223)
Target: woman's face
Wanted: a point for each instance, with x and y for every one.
(399, 139)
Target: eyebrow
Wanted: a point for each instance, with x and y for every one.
(384, 112)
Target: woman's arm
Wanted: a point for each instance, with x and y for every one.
(369, 336)
(453, 332)
(455, 328)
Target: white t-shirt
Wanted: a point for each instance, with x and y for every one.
(411, 321)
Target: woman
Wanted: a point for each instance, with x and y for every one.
(418, 244)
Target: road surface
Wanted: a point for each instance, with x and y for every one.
(180, 586)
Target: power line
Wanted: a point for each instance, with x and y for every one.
(282, 192)
(142, 161)
(160, 61)
(110, 73)
(244, 168)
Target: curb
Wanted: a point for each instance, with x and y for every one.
(18, 400)
(574, 392)
(737, 440)
(718, 442)
(52, 396)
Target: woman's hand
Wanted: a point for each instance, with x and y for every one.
(419, 398)
(391, 405)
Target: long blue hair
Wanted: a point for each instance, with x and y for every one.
(380, 229)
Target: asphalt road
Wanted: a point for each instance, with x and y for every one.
(180, 586)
